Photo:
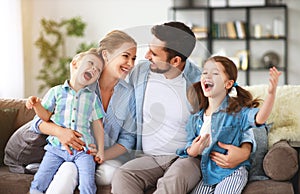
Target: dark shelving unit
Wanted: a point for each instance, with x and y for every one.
(249, 41)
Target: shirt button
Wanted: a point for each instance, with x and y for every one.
(73, 121)
(74, 108)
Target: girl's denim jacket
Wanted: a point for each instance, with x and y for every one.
(226, 128)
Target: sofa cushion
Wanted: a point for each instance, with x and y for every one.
(24, 147)
(268, 187)
(14, 183)
(24, 115)
(285, 113)
(7, 119)
(256, 171)
(281, 162)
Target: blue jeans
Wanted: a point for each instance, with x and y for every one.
(53, 159)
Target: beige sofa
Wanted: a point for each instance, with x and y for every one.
(279, 164)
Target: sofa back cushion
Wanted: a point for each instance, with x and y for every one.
(13, 114)
(23, 116)
(7, 119)
(23, 148)
(256, 171)
(285, 114)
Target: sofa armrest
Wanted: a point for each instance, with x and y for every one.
(281, 161)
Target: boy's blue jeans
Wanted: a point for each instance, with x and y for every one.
(53, 159)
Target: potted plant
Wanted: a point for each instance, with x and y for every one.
(52, 49)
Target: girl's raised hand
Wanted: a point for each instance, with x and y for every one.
(273, 80)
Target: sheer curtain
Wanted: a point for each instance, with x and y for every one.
(11, 50)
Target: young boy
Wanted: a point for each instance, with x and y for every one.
(73, 105)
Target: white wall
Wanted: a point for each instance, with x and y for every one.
(11, 49)
(103, 16)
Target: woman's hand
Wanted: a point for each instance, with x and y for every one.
(235, 155)
(70, 138)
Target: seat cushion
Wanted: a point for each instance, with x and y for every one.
(268, 187)
(14, 183)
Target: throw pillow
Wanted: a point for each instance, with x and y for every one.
(7, 119)
(256, 171)
(286, 165)
(23, 148)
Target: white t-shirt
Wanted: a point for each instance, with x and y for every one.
(165, 114)
(206, 127)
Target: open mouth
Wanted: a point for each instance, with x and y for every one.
(88, 75)
(125, 69)
(208, 85)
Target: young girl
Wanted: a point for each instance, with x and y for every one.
(222, 118)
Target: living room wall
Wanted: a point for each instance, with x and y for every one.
(11, 49)
(103, 16)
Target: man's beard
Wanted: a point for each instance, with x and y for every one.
(161, 71)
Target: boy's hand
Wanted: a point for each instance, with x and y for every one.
(92, 149)
(31, 102)
(273, 80)
(99, 158)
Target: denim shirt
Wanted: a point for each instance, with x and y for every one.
(138, 79)
(118, 120)
(226, 128)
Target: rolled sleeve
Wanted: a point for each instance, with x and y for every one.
(251, 116)
(35, 125)
(248, 137)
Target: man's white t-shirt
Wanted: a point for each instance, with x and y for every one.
(165, 114)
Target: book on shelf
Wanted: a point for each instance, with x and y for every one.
(240, 29)
(224, 30)
(231, 30)
(200, 32)
(234, 3)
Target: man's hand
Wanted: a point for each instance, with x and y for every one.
(235, 155)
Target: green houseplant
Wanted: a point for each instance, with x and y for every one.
(52, 49)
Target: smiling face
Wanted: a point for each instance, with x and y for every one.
(121, 60)
(86, 70)
(214, 81)
(158, 56)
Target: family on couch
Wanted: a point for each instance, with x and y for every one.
(147, 116)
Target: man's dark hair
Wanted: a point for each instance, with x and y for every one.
(179, 38)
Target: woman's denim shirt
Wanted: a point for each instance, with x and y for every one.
(138, 79)
(227, 128)
(118, 120)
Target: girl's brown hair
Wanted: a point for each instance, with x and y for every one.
(243, 98)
